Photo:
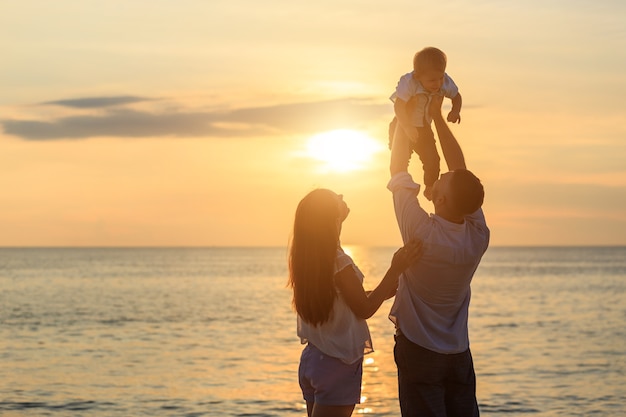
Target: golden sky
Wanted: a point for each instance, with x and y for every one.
(190, 123)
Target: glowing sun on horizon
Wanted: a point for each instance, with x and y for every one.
(343, 150)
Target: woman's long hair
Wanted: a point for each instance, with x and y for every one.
(312, 256)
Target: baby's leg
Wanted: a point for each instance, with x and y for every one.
(426, 149)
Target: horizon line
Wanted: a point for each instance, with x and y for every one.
(284, 246)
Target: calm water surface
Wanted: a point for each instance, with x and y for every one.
(210, 332)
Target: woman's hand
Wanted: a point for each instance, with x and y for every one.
(407, 255)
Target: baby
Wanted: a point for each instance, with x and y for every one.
(411, 100)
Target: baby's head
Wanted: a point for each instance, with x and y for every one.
(429, 67)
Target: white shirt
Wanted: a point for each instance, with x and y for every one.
(344, 335)
(408, 87)
(432, 303)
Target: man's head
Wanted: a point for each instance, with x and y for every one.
(457, 193)
(429, 67)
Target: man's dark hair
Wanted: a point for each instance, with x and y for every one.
(466, 191)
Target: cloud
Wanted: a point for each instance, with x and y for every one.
(244, 122)
(313, 116)
(117, 123)
(96, 102)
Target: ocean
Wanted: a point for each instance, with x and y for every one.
(210, 332)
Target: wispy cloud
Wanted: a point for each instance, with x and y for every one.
(119, 121)
(97, 102)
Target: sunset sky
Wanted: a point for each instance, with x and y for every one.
(195, 122)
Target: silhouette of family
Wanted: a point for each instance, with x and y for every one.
(429, 276)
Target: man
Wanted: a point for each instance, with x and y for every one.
(435, 369)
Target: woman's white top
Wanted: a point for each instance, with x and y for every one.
(344, 336)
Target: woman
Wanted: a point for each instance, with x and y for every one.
(332, 305)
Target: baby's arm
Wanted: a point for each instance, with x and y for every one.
(455, 113)
(401, 109)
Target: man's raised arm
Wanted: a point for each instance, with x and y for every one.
(449, 146)
(400, 151)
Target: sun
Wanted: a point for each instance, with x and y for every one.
(343, 150)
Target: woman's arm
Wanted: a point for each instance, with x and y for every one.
(365, 304)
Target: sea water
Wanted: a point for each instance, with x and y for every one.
(211, 332)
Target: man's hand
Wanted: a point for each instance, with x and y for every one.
(434, 109)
